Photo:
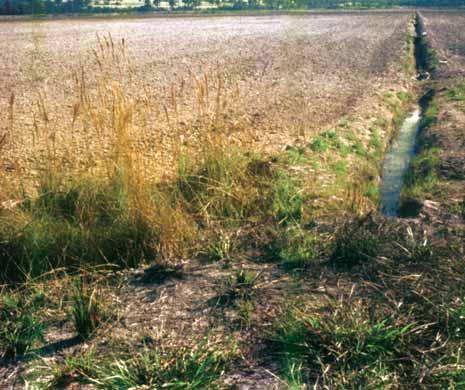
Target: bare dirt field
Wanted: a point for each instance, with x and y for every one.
(448, 37)
(281, 77)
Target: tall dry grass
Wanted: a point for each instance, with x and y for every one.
(99, 197)
(107, 190)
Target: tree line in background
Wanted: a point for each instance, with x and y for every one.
(27, 7)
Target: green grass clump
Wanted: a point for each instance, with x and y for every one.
(219, 247)
(294, 248)
(287, 198)
(457, 94)
(319, 144)
(198, 366)
(461, 209)
(74, 223)
(404, 96)
(371, 191)
(456, 312)
(354, 245)
(376, 143)
(86, 310)
(358, 347)
(339, 167)
(296, 156)
(60, 375)
(238, 287)
(430, 115)
(20, 327)
(421, 178)
(329, 139)
(359, 148)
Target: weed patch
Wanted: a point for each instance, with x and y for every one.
(196, 366)
(287, 198)
(238, 287)
(20, 327)
(293, 248)
(421, 178)
(343, 344)
(87, 310)
(354, 245)
(456, 94)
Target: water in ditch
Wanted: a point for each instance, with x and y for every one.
(396, 162)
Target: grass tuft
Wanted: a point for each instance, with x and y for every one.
(20, 328)
(421, 178)
(287, 199)
(86, 311)
(294, 248)
(343, 345)
(457, 93)
(197, 366)
(74, 224)
(238, 287)
(354, 245)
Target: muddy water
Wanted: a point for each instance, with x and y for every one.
(396, 163)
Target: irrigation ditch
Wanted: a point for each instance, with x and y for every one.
(404, 144)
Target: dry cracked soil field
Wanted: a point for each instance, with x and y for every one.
(281, 77)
